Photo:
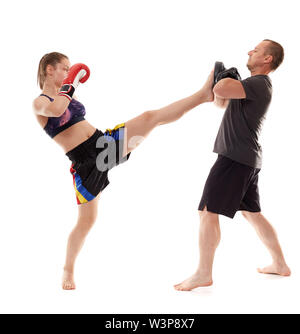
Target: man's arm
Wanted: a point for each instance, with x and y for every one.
(229, 89)
(220, 102)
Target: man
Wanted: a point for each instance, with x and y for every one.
(232, 184)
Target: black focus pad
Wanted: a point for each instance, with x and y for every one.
(230, 73)
(219, 67)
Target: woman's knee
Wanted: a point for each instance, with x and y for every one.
(150, 117)
(87, 213)
(87, 218)
(85, 223)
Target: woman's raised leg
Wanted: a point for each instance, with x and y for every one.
(87, 214)
(139, 127)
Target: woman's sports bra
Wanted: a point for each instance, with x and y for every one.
(73, 114)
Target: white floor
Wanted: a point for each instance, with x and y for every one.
(138, 275)
(236, 292)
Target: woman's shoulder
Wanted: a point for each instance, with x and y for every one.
(41, 100)
(39, 103)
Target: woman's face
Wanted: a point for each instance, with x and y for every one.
(60, 72)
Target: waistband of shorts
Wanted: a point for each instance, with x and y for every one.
(85, 149)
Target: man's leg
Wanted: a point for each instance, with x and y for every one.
(268, 236)
(209, 238)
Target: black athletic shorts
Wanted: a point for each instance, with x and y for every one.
(231, 186)
(92, 159)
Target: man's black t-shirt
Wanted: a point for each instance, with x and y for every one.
(239, 131)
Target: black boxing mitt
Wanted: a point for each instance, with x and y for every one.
(219, 68)
(230, 73)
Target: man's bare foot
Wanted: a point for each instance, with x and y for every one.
(68, 281)
(276, 269)
(193, 282)
(207, 87)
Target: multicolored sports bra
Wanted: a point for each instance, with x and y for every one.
(73, 114)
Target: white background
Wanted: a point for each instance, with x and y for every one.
(143, 55)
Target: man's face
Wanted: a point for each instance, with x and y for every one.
(258, 56)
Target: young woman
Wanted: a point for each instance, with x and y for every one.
(92, 152)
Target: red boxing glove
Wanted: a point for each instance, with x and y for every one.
(77, 73)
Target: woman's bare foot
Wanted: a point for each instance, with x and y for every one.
(207, 87)
(68, 281)
(193, 282)
(276, 269)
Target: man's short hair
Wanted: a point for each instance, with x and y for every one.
(276, 51)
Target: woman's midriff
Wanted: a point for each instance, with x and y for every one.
(74, 135)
